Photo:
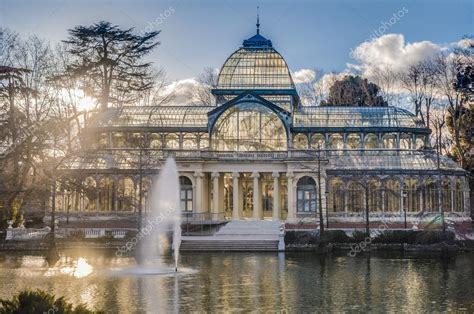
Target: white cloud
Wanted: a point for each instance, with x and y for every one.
(466, 43)
(303, 76)
(392, 50)
(182, 92)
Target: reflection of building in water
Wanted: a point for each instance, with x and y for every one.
(256, 153)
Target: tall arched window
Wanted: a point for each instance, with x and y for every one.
(249, 127)
(335, 199)
(392, 196)
(155, 140)
(306, 195)
(355, 198)
(186, 194)
(411, 192)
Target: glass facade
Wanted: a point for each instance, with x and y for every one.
(249, 127)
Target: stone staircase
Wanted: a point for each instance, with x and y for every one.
(239, 235)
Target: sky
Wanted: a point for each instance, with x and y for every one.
(309, 34)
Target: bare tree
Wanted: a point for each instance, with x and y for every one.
(449, 66)
(387, 80)
(207, 80)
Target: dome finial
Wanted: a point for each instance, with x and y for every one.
(258, 21)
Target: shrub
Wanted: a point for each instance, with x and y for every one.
(434, 236)
(358, 236)
(335, 236)
(38, 301)
(396, 236)
(301, 237)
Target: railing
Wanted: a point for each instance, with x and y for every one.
(87, 233)
(201, 223)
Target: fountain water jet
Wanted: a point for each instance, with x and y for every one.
(164, 218)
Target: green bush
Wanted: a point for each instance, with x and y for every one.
(358, 236)
(38, 301)
(301, 237)
(434, 236)
(335, 236)
(396, 236)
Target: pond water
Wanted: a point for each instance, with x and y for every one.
(211, 282)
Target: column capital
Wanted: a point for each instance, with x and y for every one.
(235, 175)
(275, 174)
(290, 174)
(198, 174)
(215, 174)
(255, 175)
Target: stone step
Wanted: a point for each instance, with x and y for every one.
(229, 245)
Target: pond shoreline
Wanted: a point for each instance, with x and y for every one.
(455, 247)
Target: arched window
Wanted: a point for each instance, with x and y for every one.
(204, 141)
(355, 197)
(189, 141)
(126, 195)
(89, 187)
(300, 141)
(249, 127)
(405, 141)
(317, 141)
(353, 141)
(306, 195)
(390, 141)
(186, 194)
(420, 142)
(458, 196)
(336, 195)
(106, 194)
(430, 196)
(118, 139)
(375, 195)
(371, 141)
(336, 142)
(172, 141)
(411, 199)
(155, 140)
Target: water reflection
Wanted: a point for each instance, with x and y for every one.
(251, 282)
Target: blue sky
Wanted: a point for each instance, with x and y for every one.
(309, 34)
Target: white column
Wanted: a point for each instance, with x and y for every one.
(235, 196)
(276, 196)
(291, 208)
(198, 197)
(256, 195)
(215, 192)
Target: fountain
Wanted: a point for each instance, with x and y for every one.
(163, 220)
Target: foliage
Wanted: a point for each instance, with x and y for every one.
(358, 236)
(396, 236)
(301, 237)
(434, 236)
(109, 60)
(354, 91)
(335, 236)
(38, 301)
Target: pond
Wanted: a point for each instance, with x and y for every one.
(294, 282)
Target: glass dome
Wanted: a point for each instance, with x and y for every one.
(255, 67)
